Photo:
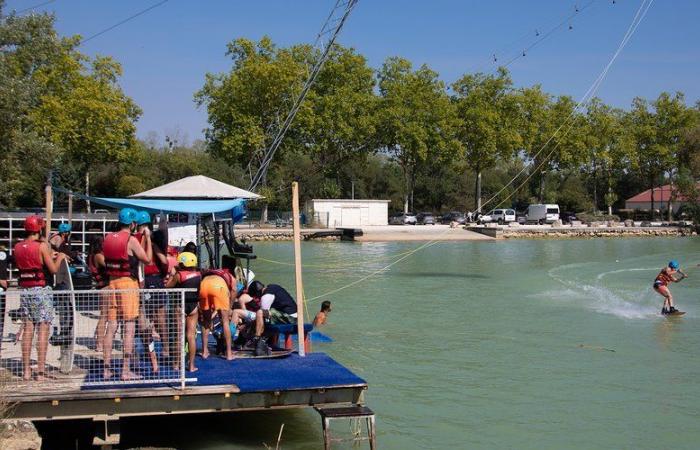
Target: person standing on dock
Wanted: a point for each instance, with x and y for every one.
(661, 285)
(154, 304)
(123, 252)
(216, 291)
(60, 241)
(188, 277)
(36, 264)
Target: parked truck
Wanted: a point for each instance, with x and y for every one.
(542, 213)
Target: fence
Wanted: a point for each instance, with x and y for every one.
(84, 226)
(93, 338)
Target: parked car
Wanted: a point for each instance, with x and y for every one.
(425, 218)
(567, 217)
(521, 217)
(542, 213)
(502, 216)
(403, 219)
(453, 216)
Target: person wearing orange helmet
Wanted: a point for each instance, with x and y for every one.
(36, 264)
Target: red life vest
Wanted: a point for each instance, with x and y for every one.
(223, 273)
(152, 268)
(116, 250)
(99, 274)
(190, 279)
(32, 272)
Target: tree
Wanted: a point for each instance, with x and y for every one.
(417, 119)
(58, 108)
(487, 112)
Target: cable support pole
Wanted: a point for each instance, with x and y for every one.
(269, 155)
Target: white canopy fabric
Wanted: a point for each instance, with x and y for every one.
(196, 187)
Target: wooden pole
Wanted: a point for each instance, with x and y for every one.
(297, 269)
(70, 209)
(49, 208)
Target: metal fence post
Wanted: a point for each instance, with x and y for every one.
(183, 324)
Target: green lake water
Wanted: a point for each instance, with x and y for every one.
(526, 344)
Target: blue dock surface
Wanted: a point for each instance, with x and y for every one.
(315, 370)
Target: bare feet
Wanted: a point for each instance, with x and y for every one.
(129, 375)
(205, 353)
(192, 369)
(39, 376)
(107, 374)
(27, 374)
(230, 356)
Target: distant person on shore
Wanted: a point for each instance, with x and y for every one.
(36, 264)
(661, 285)
(123, 252)
(322, 315)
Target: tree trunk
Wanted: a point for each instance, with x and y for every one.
(477, 191)
(263, 215)
(595, 189)
(670, 196)
(542, 187)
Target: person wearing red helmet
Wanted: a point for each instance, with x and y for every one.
(36, 264)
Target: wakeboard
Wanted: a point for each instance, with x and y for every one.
(675, 314)
(65, 303)
(247, 354)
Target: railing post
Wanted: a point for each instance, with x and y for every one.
(183, 333)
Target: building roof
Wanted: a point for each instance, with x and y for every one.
(661, 194)
(196, 187)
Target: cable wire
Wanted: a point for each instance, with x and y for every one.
(122, 22)
(34, 7)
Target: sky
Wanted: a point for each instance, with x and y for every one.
(166, 52)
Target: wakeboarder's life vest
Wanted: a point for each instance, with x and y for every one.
(117, 259)
(32, 272)
(190, 279)
(663, 278)
(99, 274)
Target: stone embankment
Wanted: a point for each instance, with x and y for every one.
(562, 233)
(275, 234)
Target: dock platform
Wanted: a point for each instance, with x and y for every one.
(239, 385)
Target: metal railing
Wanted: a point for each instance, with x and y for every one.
(92, 338)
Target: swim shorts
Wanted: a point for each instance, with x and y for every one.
(214, 294)
(123, 305)
(154, 300)
(36, 304)
(190, 307)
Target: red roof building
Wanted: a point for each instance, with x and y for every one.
(662, 195)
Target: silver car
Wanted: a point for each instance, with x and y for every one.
(403, 219)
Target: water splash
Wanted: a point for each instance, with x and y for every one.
(595, 295)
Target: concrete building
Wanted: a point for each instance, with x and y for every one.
(334, 213)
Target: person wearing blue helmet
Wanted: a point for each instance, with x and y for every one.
(60, 241)
(123, 253)
(663, 279)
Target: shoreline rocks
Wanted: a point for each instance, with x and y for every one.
(596, 232)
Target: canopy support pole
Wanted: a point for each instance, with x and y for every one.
(297, 269)
(49, 206)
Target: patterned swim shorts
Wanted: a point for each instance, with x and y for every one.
(37, 304)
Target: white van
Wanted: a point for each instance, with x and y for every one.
(542, 213)
(502, 216)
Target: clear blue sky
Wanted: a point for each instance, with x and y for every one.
(166, 52)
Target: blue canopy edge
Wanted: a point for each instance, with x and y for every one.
(166, 206)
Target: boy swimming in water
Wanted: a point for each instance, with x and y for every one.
(661, 285)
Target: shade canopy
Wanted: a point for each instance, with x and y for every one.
(164, 205)
(196, 187)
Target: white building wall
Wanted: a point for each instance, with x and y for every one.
(352, 213)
